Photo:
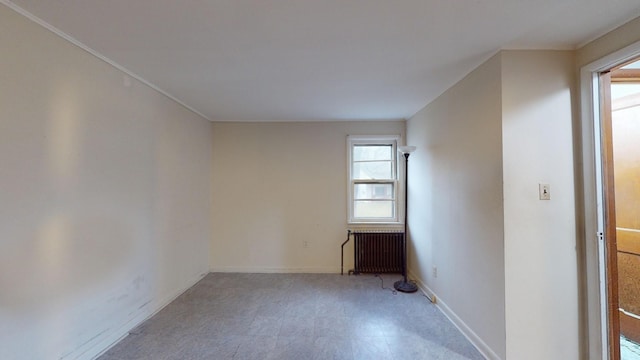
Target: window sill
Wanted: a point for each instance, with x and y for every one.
(376, 225)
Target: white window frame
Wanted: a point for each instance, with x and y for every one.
(394, 141)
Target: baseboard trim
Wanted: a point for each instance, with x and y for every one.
(103, 343)
(275, 270)
(475, 340)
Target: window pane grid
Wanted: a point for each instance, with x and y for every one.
(373, 178)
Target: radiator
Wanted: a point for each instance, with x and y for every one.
(378, 252)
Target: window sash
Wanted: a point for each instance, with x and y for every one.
(393, 183)
(370, 208)
(355, 199)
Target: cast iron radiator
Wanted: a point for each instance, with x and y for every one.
(378, 251)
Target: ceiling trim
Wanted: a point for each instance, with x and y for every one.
(98, 55)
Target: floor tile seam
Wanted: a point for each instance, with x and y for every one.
(236, 350)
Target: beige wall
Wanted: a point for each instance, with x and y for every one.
(507, 269)
(455, 204)
(541, 281)
(105, 197)
(279, 185)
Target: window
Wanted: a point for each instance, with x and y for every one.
(373, 180)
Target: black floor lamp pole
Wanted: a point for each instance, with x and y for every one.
(404, 285)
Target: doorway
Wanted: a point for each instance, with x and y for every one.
(620, 155)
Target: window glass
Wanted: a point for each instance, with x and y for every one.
(374, 209)
(373, 191)
(372, 152)
(372, 170)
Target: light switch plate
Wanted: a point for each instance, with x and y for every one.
(545, 191)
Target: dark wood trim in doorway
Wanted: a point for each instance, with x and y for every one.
(625, 75)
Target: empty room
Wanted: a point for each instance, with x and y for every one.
(277, 179)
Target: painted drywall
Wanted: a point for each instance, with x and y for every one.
(105, 201)
(541, 281)
(280, 194)
(455, 204)
(507, 269)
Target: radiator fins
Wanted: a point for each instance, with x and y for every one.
(378, 252)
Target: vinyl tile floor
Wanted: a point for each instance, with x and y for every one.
(295, 316)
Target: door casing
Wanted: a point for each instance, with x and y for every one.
(594, 290)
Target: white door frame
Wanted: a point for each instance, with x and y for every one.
(595, 265)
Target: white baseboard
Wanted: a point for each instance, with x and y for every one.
(475, 340)
(275, 270)
(105, 341)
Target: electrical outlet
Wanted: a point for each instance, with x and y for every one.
(434, 271)
(545, 191)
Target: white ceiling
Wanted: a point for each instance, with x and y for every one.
(319, 59)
